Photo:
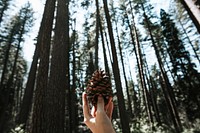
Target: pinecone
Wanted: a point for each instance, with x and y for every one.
(99, 84)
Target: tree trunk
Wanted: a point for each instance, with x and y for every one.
(134, 97)
(152, 91)
(58, 80)
(146, 92)
(40, 123)
(21, 33)
(190, 42)
(73, 115)
(10, 85)
(7, 54)
(26, 105)
(124, 73)
(4, 91)
(115, 67)
(167, 89)
(66, 63)
(138, 54)
(193, 12)
(97, 35)
(109, 51)
(104, 49)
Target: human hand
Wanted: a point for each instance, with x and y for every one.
(99, 119)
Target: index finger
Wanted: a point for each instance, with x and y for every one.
(100, 104)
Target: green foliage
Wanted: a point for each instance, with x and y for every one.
(14, 67)
(187, 78)
(4, 5)
(176, 49)
(12, 36)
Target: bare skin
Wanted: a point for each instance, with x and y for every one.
(98, 120)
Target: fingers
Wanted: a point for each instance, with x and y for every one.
(110, 108)
(100, 107)
(108, 104)
(100, 104)
(86, 110)
(93, 111)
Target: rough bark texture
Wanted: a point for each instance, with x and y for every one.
(39, 111)
(57, 80)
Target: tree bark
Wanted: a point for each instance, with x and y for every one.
(115, 67)
(26, 105)
(97, 36)
(58, 80)
(40, 123)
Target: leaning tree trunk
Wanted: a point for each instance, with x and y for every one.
(193, 12)
(20, 38)
(115, 67)
(138, 54)
(97, 35)
(26, 104)
(10, 83)
(109, 51)
(39, 123)
(6, 59)
(123, 69)
(146, 92)
(135, 51)
(167, 89)
(152, 91)
(104, 49)
(5, 92)
(122, 63)
(190, 42)
(134, 94)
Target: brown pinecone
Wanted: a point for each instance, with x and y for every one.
(99, 85)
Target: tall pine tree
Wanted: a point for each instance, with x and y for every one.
(186, 75)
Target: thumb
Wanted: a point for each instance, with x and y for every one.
(100, 103)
